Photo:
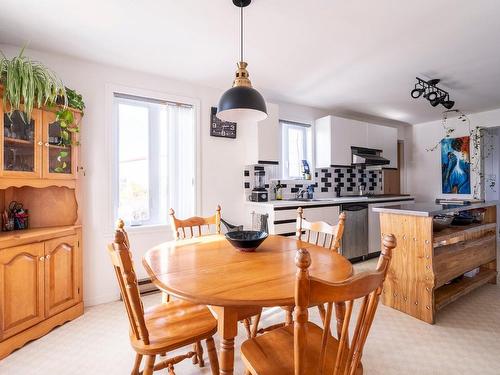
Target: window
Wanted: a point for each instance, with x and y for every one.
(296, 146)
(156, 159)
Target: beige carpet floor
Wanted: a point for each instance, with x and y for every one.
(465, 340)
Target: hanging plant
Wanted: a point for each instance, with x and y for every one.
(29, 83)
(68, 126)
(477, 139)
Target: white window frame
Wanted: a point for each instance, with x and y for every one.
(112, 154)
(307, 146)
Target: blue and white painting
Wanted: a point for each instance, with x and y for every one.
(455, 165)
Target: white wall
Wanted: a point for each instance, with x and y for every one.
(222, 160)
(425, 167)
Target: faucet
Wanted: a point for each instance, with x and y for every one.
(300, 193)
(361, 189)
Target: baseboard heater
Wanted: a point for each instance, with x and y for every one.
(145, 287)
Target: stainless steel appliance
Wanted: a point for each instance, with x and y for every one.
(355, 239)
(367, 156)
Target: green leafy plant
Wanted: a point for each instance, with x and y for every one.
(29, 83)
(66, 121)
(75, 100)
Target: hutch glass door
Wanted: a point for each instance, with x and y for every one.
(59, 160)
(21, 144)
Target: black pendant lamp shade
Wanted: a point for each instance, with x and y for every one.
(242, 102)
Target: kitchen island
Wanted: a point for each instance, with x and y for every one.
(428, 266)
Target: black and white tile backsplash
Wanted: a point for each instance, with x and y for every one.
(324, 182)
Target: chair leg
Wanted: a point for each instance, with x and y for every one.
(150, 362)
(289, 315)
(195, 357)
(199, 354)
(255, 325)
(212, 356)
(137, 364)
(165, 297)
(247, 322)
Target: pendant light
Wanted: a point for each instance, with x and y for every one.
(242, 102)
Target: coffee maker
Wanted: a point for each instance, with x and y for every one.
(259, 192)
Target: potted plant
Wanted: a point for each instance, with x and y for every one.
(30, 84)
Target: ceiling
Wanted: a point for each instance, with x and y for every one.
(344, 56)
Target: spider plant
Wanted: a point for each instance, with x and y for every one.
(29, 83)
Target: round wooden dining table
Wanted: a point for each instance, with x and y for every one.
(208, 270)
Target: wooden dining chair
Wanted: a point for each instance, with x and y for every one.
(320, 233)
(162, 328)
(306, 349)
(193, 227)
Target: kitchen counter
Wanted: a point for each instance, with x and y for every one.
(431, 209)
(434, 266)
(333, 201)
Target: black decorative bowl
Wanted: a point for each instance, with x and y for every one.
(246, 240)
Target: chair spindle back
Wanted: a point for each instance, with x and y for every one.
(319, 232)
(366, 287)
(186, 228)
(121, 257)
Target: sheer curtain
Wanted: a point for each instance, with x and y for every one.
(156, 160)
(181, 163)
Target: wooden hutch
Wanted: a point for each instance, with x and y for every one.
(428, 265)
(40, 267)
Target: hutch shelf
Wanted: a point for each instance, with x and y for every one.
(40, 267)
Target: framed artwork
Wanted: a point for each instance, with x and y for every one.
(455, 165)
(219, 128)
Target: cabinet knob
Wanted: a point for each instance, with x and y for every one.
(47, 257)
(47, 144)
(40, 143)
(42, 259)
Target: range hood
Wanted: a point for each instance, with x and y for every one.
(367, 156)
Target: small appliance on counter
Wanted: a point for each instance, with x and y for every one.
(259, 192)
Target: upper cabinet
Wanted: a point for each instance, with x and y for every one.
(267, 147)
(384, 138)
(21, 143)
(335, 135)
(36, 150)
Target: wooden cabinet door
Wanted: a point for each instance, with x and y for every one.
(59, 153)
(21, 288)
(62, 289)
(21, 142)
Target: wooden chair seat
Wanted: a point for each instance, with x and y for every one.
(184, 320)
(272, 352)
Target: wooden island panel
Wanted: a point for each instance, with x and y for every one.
(427, 267)
(410, 280)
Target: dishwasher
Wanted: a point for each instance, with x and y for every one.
(355, 239)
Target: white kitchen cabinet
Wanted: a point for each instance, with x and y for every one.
(334, 138)
(267, 145)
(384, 138)
(374, 237)
(282, 219)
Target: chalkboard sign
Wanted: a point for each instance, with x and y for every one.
(219, 128)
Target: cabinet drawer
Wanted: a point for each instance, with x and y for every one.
(454, 260)
(330, 214)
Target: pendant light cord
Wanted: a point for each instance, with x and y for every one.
(241, 33)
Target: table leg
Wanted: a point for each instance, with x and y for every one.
(227, 319)
(339, 314)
